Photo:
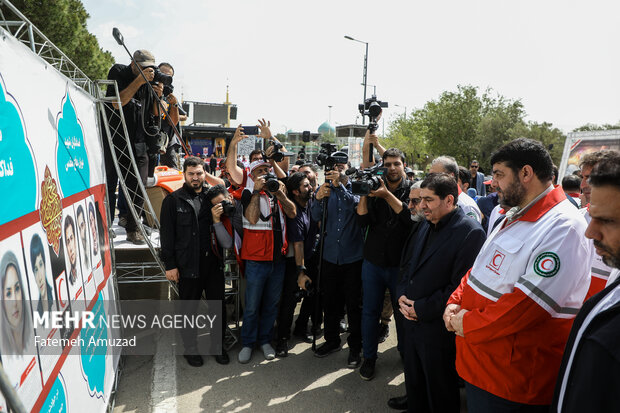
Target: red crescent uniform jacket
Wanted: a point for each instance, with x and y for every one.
(522, 294)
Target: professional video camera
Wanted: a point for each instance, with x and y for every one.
(329, 156)
(372, 108)
(276, 155)
(271, 182)
(366, 180)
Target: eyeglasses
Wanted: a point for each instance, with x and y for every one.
(474, 166)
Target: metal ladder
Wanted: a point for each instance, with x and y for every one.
(152, 270)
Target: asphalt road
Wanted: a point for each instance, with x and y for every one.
(299, 382)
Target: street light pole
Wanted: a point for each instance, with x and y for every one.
(365, 70)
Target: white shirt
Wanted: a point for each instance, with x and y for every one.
(469, 206)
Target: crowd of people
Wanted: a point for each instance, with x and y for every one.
(514, 293)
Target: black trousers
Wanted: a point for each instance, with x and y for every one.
(430, 374)
(341, 286)
(212, 283)
(142, 162)
(288, 303)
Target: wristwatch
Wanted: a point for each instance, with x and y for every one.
(255, 192)
(300, 269)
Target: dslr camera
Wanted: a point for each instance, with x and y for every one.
(366, 180)
(271, 182)
(161, 78)
(229, 208)
(372, 108)
(329, 156)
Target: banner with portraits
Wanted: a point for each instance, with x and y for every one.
(54, 245)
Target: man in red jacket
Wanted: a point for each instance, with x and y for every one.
(514, 309)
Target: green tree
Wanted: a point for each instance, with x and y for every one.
(593, 127)
(64, 23)
(408, 134)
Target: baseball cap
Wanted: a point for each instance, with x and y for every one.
(409, 171)
(144, 58)
(256, 164)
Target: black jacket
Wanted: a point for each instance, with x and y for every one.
(385, 230)
(430, 273)
(594, 377)
(184, 231)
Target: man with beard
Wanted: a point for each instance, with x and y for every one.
(599, 270)
(186, 248)
(430, 269)
(385, 214)
(311, 171)
(301, 232)
(514, 309)
(593, 343)
(71, 248)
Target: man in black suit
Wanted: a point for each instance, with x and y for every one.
(434, 261)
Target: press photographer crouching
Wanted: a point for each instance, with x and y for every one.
(341, 284)
(385, 215)
(139, 109)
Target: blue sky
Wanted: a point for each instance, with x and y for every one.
(288, 60)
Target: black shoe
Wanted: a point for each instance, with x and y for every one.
(222, 358)
(398, 403)
(367, 371)
(303, 335)
(384, 332)
(354, 359)
(282, 348)
(326, 349)
(194, 360)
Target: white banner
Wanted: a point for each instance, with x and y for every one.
(54, 247)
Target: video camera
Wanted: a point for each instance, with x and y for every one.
(372, 108)
(276, 155)
(366, 180)
(328, 159)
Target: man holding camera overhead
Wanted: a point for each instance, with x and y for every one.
(264, 248)
(138, 110)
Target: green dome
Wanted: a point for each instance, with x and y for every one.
(326, 128)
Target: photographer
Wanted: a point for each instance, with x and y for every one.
(171, 154)
(238, 175)
(136, 101)
(301, 231)
(264, 248)
(385, 214)
(341, 283)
